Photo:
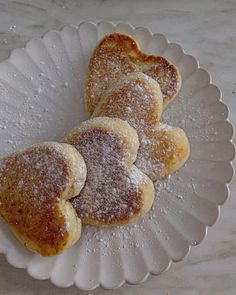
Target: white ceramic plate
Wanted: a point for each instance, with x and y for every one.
(41, 99)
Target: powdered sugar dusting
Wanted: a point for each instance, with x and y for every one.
(158, 152)
(107, 242)
(166, 75)
(135, 98)
(112, 191)
(118, 55)
(198, 120)
(32, 183)
(138, 100)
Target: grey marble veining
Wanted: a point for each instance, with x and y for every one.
(207, 30)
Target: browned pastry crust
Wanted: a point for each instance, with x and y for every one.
(137, 98)
(35, 185)
(116, 192)
(118, 54)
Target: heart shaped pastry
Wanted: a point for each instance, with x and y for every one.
(119, 54)
(35, 186)
(116, 192)
(137, 98)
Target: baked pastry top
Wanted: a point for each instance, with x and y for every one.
(137, 98)
(35, 185)
(116, 191)
(119, 54)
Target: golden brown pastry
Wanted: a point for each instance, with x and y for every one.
(35, 186)
(116, 192)
(137, 99)
(118, 54)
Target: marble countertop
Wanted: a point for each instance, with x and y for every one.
(206, 29)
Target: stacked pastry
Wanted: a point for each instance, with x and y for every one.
(103, 171)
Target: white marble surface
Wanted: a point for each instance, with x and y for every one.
(206, 29)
